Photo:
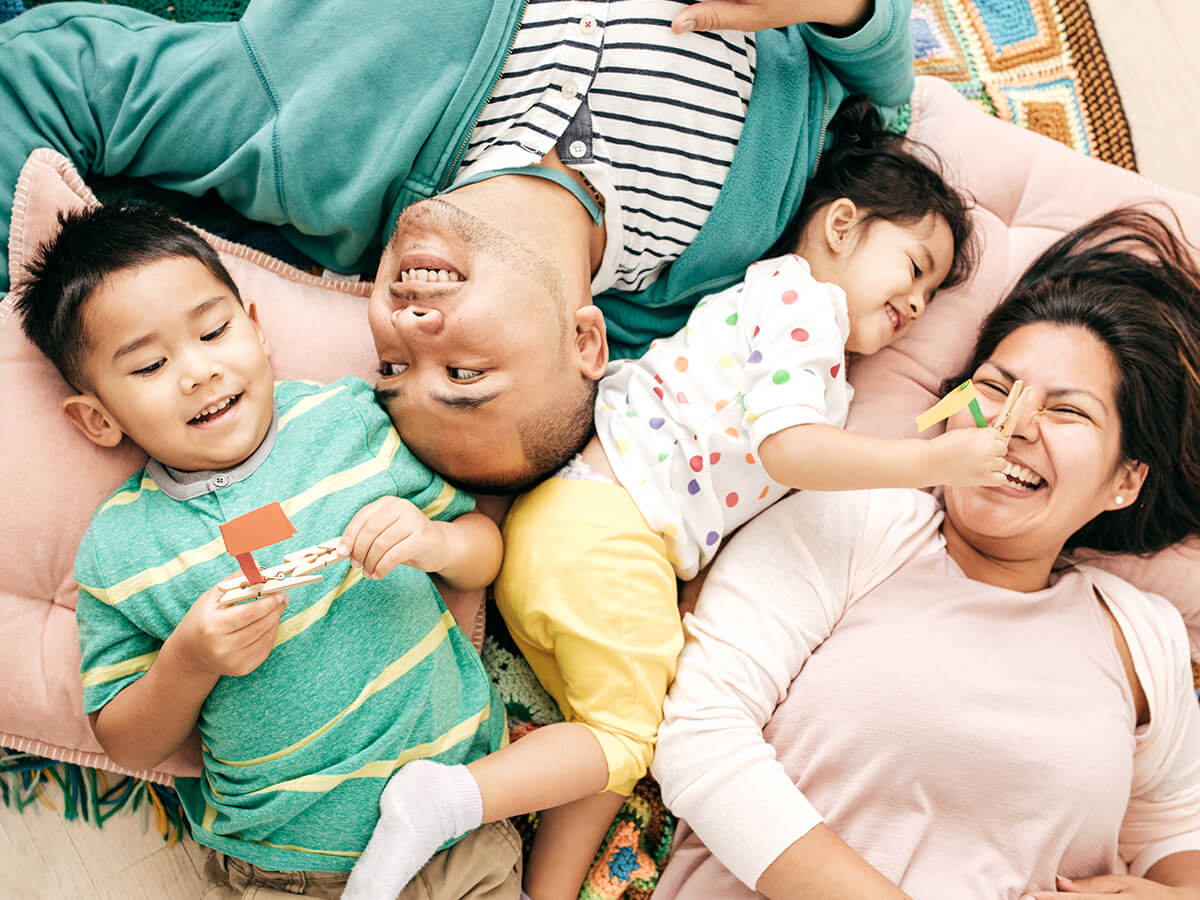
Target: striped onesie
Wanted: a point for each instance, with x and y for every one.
(365, 675)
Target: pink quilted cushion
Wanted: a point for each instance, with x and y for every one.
(55, 478)
(1030, 191)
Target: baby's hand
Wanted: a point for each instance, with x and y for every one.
(232, 639)
(389, 532)
(966, 457)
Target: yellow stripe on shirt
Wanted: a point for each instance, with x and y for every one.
(123, 497)
(383, 768)
(444, 498)
(289, 628)
(102, 674)
(395, 671)
(157, 575)
(312, 400)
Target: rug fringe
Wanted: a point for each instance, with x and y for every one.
(86, 793)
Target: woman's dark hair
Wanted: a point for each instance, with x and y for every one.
(886, 178)
(1128, 279)
(92, 245)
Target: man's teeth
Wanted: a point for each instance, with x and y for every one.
(1019, 476)
(429, 275)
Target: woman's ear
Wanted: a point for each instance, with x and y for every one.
(1130, 478)
(591, 341)
(87, 413)
(840, 217)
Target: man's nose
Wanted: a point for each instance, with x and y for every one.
(423, 320)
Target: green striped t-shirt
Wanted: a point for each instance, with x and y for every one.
(365, 675)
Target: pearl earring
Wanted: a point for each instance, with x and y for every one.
(1118, 500)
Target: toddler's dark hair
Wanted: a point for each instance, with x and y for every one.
(92, 245)
(887, 180)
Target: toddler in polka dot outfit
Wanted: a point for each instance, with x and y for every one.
(702, 433)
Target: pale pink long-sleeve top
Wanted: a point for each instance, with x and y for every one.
(969, 741)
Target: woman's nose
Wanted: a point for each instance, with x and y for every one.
(420, 319)
(916, 304)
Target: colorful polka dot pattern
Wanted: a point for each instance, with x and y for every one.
(679, 425)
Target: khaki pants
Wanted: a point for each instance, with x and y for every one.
(485, 865)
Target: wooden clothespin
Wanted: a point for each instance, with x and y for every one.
(1014, 404)
(260, 528)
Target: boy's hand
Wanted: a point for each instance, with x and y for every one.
(966, 457)
(756, 15)
(389, 532)
(228, 640)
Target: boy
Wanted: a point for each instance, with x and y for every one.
(305, 704)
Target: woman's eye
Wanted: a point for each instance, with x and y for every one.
(992, 386)
(916, 270)
(150, 369)
(215, 333)
(389, 370)
(457, 374)
(1070, 411)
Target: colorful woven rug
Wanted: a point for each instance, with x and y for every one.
(1037, 63)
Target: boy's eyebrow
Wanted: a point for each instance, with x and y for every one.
(926, 259)
(198, 310)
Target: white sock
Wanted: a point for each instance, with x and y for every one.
(422, 806)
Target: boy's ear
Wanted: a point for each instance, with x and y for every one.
(591, 341)
(252, 312)
(87, 413)
(840, 217)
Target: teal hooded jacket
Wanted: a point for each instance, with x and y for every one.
(328, 118)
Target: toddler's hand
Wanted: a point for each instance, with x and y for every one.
(389, 532)
(228, 640)
(966, 457)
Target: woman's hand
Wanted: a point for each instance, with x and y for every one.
(756, 15)
(1102, 887)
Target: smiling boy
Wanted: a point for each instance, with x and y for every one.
(305, 704)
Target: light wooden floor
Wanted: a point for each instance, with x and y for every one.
(1150, 45)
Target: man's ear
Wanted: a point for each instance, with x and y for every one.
(252, 312)
(840, 217)
(1129, 483)
(591, 341)
(87, 413)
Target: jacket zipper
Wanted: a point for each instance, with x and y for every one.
(466, 141)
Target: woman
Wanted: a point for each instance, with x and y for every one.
(882, 697)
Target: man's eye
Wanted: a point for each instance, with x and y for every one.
(457, 374)
(389, 369)
(150, 369)
(215, 333)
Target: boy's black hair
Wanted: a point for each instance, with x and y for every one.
(889, 178)
(92, 245)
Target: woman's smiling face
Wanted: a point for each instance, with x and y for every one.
(1065, 451)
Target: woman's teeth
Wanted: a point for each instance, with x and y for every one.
(1021, 477)
(429, 275)
(893, 316)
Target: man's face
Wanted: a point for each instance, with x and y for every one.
(473, 331)
(178, 365)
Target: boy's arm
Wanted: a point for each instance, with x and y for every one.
(391, 531)
(147, 721)
(824, 458)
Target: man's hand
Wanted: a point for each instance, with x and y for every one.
(227, 640)
(1102, 887)
(389, 532)
(966, 457)
(755, 15)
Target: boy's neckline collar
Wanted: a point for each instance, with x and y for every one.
(180, 485)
